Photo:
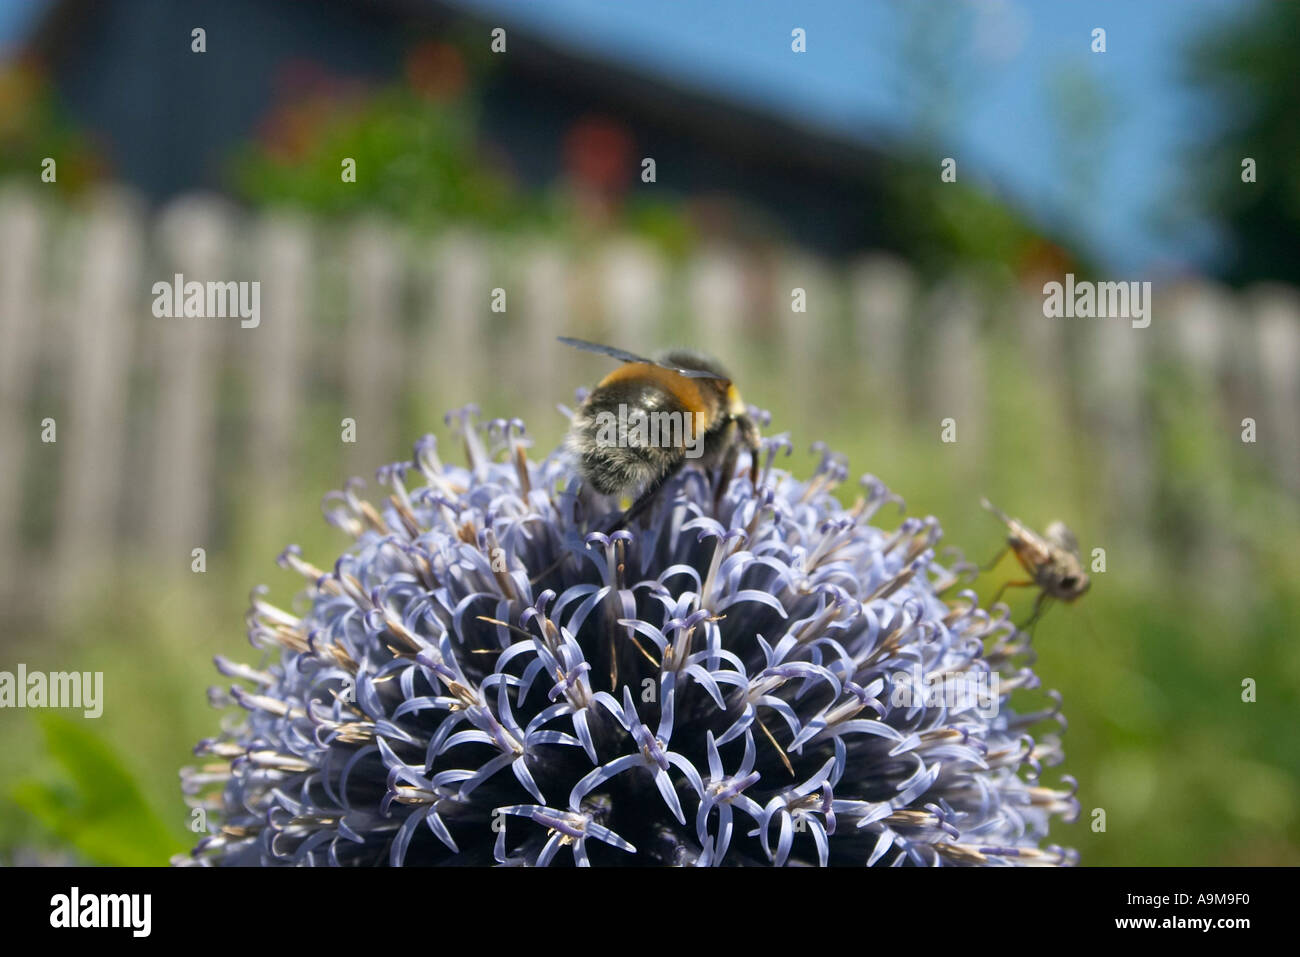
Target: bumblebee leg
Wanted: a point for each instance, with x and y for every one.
(644, 500)
(724, 475)
(749, 436)
(753, 464)
(1006, 585)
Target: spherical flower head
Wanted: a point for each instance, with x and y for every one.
(750, 674)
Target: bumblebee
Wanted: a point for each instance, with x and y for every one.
(1051, 560)
(648, 418)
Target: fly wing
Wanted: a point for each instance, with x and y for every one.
(1001, 516)
(624, 356)
(1059, 535)
(1034, 551)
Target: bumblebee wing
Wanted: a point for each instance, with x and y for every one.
(624, 356)
(695, 373)
(596, 347)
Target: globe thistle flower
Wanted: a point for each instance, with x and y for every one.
(487, 676)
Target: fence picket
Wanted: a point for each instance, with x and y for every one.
(23, 231)
(884, 291)
(716, 304)
(102, 326)
(1200, 314)
(800, 334)
(371, 356)
(1115, 355)
(1277, 314)
(455, 286)
(632, 286)
(955, 377)
(541, 317)
(193, 236)
(284, 256)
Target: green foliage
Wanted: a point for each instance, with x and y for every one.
(1249, 69)
(416, 160)
(419, 161)
(948, 225)
(33, 128)
(95, 805)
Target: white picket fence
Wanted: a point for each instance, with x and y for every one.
(368, 314)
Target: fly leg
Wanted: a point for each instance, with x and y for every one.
(996, 558)
(1006, 585)
(1040, 606)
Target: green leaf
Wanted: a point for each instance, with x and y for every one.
(96, 807)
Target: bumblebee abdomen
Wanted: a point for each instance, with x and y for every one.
(613, 471)
(630, 432)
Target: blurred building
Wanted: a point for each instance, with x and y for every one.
(166, 117)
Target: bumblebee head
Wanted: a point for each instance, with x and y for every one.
(698, 361)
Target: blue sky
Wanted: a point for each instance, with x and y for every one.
(998, 113)
(1001, 118)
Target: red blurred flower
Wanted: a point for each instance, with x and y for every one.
(598, 154)
(436, 70)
